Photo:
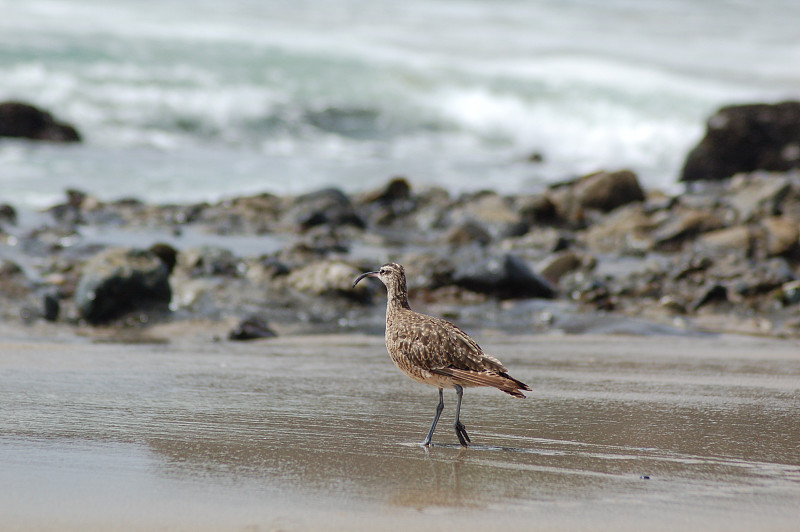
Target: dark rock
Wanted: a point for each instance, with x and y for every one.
(50, 307)
(22, 120)
(535, 157)
(505, 276)
(397, 189)
(252, 328)
(273, 267)
(8, 214)
(789, 293)
(744, 138)
(167, 254)
(389, 203)
(120, 280)
(605, 191)
(324, 207)
(538, 209)
(713, 293)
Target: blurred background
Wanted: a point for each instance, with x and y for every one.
(186, 101)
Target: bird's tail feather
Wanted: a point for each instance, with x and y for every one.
(502, 381)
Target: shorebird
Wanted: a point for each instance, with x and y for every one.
(434, 351)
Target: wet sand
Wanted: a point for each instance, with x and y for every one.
(320, 433)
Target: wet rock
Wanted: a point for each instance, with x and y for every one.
(755, 279)
(626, 230)
(789, 293)
(252, 328)
(735, 239)
(22, 120)
(672, 305)
(468, 232)
(505, 276)
(744, 138)
(568, 209)
(757, 195)
(167, 254)
(210, 261)
(605, 191)
(538, 209)
(121, 280)
(14, 283)
(712, 293)
(691, 266)
(51, 307)
(324, 207)
(397, 189)
(389, 203)
(257, 214)
(9, 269)
(781, 235)
(492, 211)
(8, 214)
(327, 278)
(683, 225)
(557, 265)
(428, 271)
(432, 206)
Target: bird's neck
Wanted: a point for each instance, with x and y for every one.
(396, 299)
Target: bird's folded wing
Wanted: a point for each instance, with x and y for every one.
(501, 382)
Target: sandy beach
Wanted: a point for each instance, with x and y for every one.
(321, 432)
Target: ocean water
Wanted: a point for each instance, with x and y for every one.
(197, 100)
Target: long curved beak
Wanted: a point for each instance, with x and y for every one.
(368, 274)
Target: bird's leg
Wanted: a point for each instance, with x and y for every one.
(439, 409)
(461, 430)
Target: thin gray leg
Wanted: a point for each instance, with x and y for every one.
(439, 409)
(461, 430)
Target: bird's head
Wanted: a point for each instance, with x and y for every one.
(390, 274)
(393, 277)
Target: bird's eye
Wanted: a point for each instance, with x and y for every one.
(382, 272)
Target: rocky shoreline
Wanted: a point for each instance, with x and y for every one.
(724, 255)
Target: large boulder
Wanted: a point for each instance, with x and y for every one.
(502, 275)
(121, 280)
(22, 120)
(327, 278)
(330, 207)
(744, 138)
(605, 191)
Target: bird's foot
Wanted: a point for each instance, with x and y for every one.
(461, 432)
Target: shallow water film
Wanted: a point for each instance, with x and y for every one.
(301, 433)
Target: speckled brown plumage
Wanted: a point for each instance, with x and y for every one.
(434, 351)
